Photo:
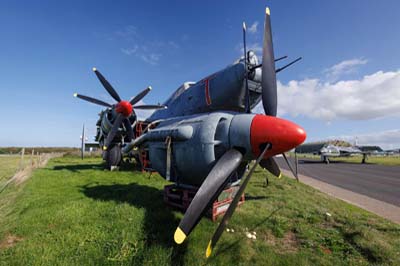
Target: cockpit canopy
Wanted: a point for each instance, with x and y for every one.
(186, 85)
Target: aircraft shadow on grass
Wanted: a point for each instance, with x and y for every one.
(160, 221)
(96, 166)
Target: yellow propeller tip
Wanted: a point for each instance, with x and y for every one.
(179, 236)
(94, 69)
(280, 176)
(209, 250)
(104, 148)
(75, 94)
(267, 11)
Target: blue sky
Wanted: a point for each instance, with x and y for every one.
(347, 85)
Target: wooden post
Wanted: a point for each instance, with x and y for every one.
(21, 162)
(33, 154)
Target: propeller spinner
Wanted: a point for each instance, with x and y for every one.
(269, 136)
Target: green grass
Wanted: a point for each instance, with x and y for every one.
(381, 160)
(9, 164)
(74, 213)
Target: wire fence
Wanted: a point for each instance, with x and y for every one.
(27, 163)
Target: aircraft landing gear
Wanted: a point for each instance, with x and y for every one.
(364, 159)
(113, 156)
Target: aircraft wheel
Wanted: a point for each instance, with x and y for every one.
(113, 156)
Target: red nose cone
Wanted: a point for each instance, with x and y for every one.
(283, 135)
(124, 108)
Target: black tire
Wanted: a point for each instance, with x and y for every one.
(113, 156)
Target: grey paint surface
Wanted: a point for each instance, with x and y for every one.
(211, 135)
(376, 181)
(225, 91)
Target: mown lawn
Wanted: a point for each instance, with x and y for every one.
(74, 213)
(373, 159)
(382, 160)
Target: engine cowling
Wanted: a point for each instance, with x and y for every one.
(198, 141)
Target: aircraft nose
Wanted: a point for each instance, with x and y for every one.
(124, 108)
(282, 134)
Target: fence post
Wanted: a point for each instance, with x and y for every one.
(33, 154)
(21, 162)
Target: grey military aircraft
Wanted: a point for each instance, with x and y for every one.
(208, 135)
(329, 150)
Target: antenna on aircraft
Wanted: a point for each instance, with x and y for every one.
(291, 63)
(247, 95)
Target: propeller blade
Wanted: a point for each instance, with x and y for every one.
(233, 204)
(128, 128)
(272, 167)
(247, 95)
(290, 166)
(140, 96)
(296, 161)
(207, 193)
(268, 80)
(113, 131)
(107, 85)
(149, 107)
(92, 100)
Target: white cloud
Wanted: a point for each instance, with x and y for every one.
(143, 53)
(130, 51)
(127, 32)
(150, 51)
(373, 96)
(389, 139)
(256, 47)
(344, 67)
(151, 59)
(253, 27)
(173, 44)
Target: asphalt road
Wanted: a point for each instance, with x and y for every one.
(380, 182)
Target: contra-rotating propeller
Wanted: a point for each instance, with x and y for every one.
(220, 174)
(268, 85)
(124, 109)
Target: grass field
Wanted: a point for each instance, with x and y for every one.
(74, 213)
(9, 164)
(381, 160)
